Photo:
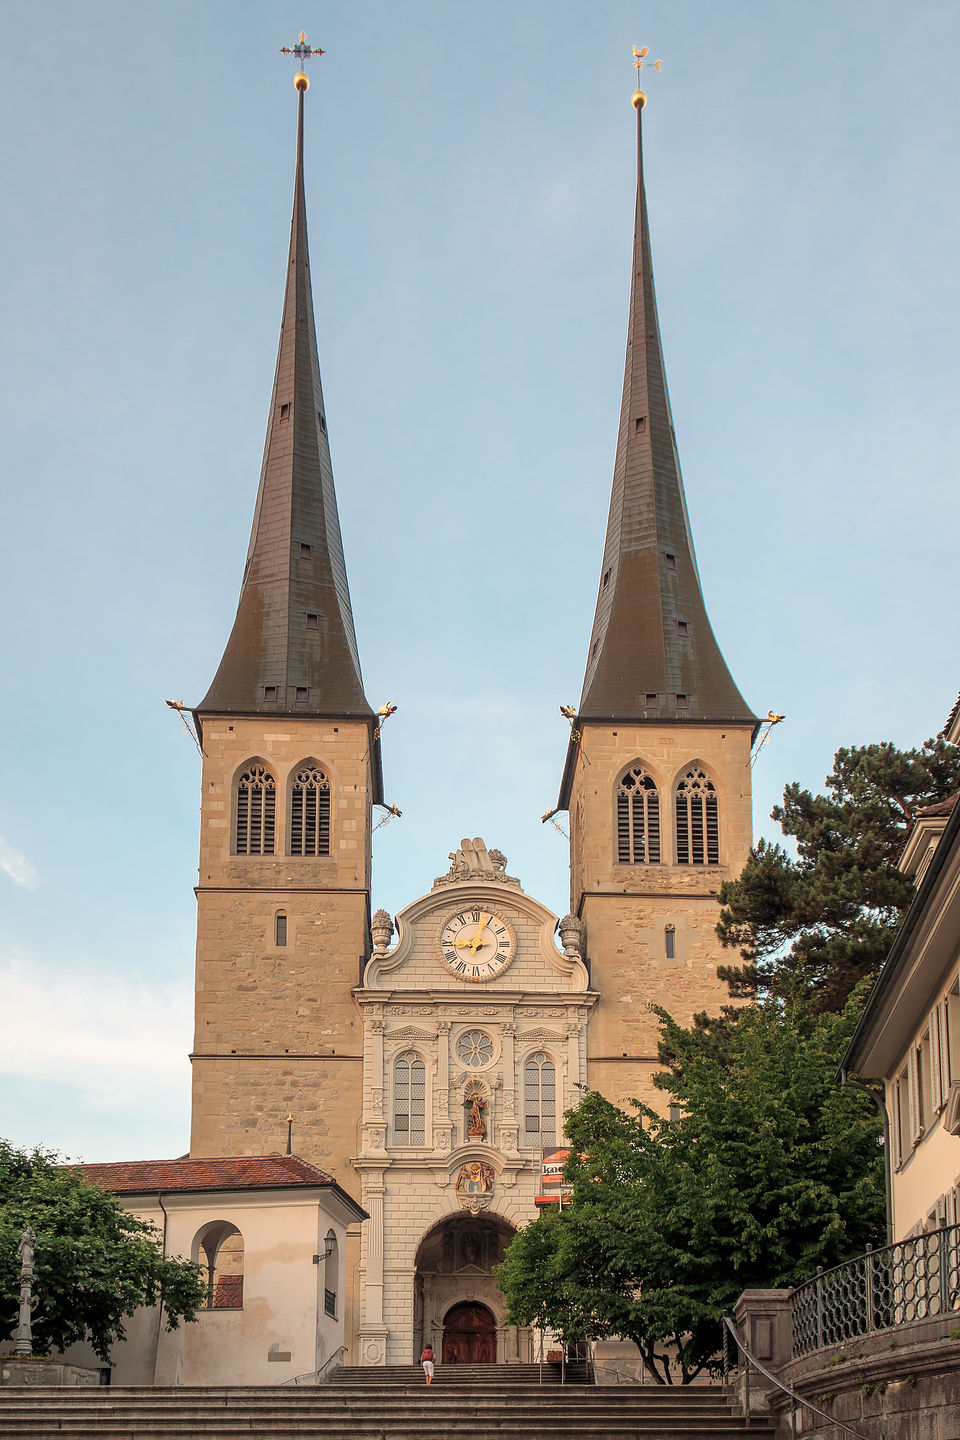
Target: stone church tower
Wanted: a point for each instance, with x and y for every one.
(657, 774)
(291, 769)
(431, 1074)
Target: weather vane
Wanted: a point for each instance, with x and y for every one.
(303, 52)
(640, 62)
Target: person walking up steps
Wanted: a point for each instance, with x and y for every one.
(426, 1360)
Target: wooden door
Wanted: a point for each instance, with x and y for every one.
(469, 1335)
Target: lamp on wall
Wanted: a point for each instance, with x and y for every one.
(329, 1245)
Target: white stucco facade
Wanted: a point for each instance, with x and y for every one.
(448, 1180)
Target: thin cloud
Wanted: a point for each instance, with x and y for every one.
(101, 1036)
(17, 867)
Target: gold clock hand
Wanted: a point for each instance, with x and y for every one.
(476, 942)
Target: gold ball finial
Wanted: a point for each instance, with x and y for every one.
(639, 99)
(302, 81)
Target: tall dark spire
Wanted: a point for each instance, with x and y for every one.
(652, 652)
(292, 649)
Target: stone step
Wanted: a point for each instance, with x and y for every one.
(385, 1427)
(405, 1409)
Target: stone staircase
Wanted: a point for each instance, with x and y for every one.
(484, 1402)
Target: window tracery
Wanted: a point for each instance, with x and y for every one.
(310, 812)
(698, 820)
(638, 818)
(474, 1048)
(256, 812)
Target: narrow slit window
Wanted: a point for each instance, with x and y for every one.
(641, 424)
(671, 560)
(255, 831)
(284, 412)
(670, 942)
(270, 694)
(310, 813)
(606, 579)
(305, 550)
(301, 694)
(681, 702)
(698, 820)
(321, 421)
(638, 818)
(281, 929)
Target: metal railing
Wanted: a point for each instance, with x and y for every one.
(315, 1377)
(729, 1329)
(911, 1280)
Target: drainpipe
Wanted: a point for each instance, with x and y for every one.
(880, 1107)
(156, 1345)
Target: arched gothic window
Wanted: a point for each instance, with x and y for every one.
(256, 812)
(409, 1099)
(540, 1100)
(310, 813)
(638, 818)
(698, 820)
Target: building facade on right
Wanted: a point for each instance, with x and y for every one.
(909, 1034)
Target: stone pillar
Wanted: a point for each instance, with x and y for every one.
(762, 1318)
(571, 1094)
(373, 1332)
(443, 1128)
(508, 1129)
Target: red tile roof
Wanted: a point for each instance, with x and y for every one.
(236, 1172)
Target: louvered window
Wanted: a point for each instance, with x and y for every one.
(310, 813)
(409, 1100)
(256, 812)
(698, 821)
(540, 1100)
(638, 819)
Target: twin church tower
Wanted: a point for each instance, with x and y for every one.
(427, 1061)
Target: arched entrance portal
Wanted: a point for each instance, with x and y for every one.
(457, 1306)
(469, 1335)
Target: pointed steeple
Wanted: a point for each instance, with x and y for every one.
(292, 649)
(652, 652)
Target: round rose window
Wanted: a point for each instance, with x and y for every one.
(474, 1048)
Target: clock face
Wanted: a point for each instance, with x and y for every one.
(476, 945)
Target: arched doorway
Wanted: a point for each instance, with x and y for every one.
(454, 1272)
(469, 1335)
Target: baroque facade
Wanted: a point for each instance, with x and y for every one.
(428, 1062)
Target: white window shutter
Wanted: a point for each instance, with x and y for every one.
(943, 1049)
(913, 1080)
(936, 1067)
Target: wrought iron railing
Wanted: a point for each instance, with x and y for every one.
(910, 1280)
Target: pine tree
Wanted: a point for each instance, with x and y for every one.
(822, 922)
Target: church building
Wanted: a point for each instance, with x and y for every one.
(428, 1058)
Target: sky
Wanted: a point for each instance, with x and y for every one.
(470, 176)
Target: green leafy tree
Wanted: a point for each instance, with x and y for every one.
(822, 922)
(768, 1170)
(95, 1263)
